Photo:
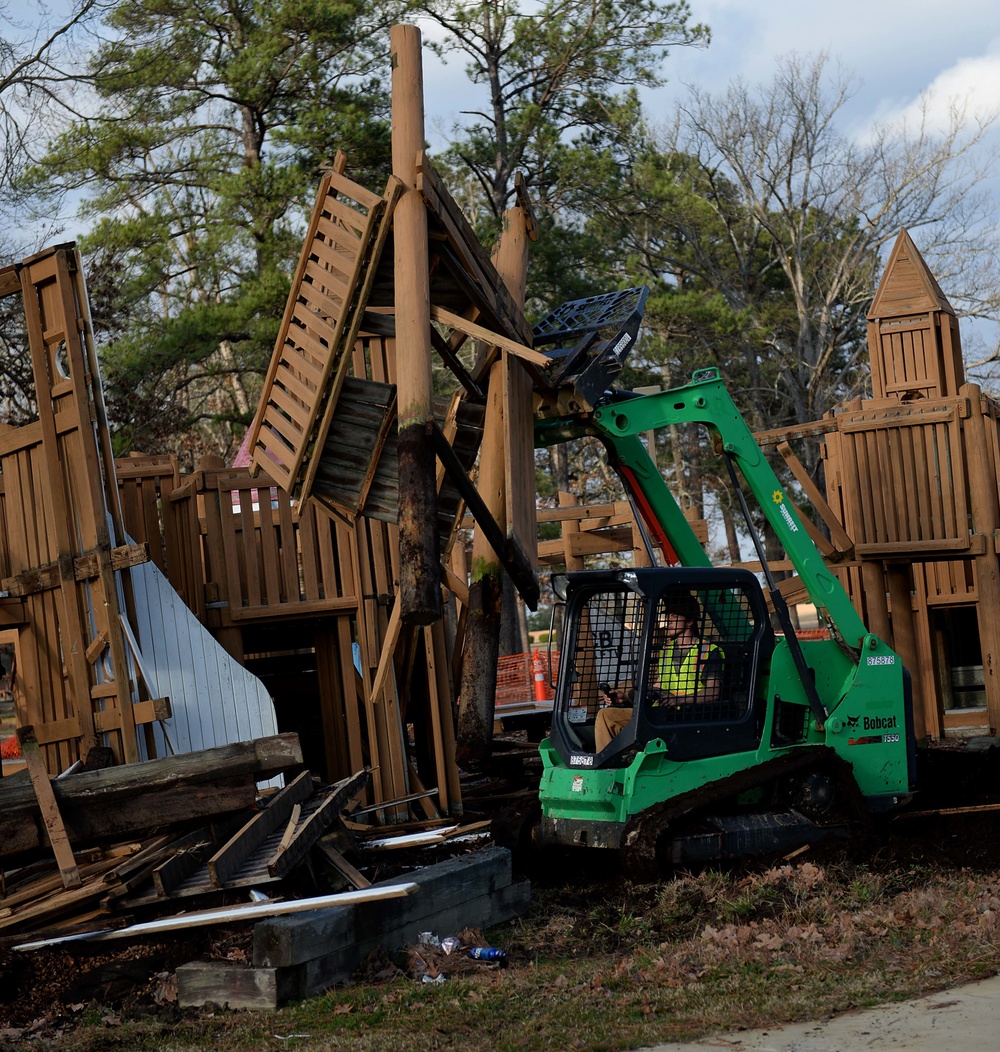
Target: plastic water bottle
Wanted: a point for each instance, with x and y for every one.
(487, 953)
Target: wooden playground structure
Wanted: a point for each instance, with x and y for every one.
(911, 508)
(334, 569)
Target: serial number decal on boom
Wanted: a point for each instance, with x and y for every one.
(581, 760)
(621, 345)
(882, 659)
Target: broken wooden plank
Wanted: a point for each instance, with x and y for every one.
(232, 915)
(342, 866)
(228, 859)
(33, 914)
(289, 835)
(48, 807)
(47, 883)
(433, 836)
(479, 332)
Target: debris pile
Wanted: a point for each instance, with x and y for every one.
(210, 841)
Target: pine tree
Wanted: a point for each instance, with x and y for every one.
(211, 122)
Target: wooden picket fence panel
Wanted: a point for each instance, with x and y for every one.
(72, 679)
(905, 466)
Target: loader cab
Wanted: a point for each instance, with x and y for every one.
(700, 698)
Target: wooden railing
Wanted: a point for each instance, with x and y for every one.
(235, 547)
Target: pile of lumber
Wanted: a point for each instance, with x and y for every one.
(159, 845)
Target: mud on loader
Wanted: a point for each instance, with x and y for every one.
(796, 737)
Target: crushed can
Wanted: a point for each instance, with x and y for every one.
(487, 953)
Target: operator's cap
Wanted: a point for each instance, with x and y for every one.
(683, 603)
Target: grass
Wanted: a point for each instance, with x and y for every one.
(603, 965)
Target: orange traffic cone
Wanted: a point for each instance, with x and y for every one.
(538, 667)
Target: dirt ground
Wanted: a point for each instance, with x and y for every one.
(937, 875)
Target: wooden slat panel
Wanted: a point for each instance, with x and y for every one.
(333, 257)
(340, 223)
(269, 551)
(64, 483)
(301, 369)
(320, 307)
(350, 189)
(327, 281)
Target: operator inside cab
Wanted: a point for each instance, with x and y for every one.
(685, 670)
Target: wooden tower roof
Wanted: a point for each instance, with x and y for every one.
(907, 286)
(913, 337)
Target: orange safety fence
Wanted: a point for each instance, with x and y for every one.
(518, 679)
(516, 682)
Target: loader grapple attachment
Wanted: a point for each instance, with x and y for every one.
(589, 339)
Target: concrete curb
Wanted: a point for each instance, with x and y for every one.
(966, 1018)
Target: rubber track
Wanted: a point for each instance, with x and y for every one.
(643, 831)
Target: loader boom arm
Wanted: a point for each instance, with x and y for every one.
(618, 423)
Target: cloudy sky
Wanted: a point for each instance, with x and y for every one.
(897, 48)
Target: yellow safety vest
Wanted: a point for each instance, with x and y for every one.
(684, 677)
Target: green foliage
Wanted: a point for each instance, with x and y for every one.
(198, 166)
(557, 86)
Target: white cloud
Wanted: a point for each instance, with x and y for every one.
(972, 83)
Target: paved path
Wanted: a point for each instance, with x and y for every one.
(966, 1019)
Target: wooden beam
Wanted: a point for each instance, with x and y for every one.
(119, 800)
(85, 567)
(48, 807)
(479, 332)
(818, 501)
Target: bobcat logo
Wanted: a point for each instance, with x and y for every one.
(852, 721)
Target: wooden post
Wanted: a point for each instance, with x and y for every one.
(419, 567)
(873, 585)
(477, 695)
(985, 509)
(509, 392)
(904, 639)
